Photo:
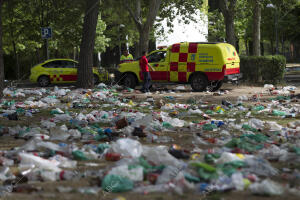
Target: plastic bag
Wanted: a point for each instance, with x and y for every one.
(127, 147)
(159, 155)
(133, 173)
(256, 123)
(267, 187)
(169, 173)
(64, 162)
(238, 181)
(29, 159)
(260, 166)
(115, 183)
(59, 133)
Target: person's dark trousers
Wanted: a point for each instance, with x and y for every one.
(146, 84)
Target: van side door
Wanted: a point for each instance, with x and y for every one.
(158, 60)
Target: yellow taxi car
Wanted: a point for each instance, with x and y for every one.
(61, 71)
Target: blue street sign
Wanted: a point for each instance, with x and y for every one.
(46, 32)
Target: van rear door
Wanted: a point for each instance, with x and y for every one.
(232, 60)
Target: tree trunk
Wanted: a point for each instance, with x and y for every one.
(256, 28)
(247, 47)
(96, 62)
(17, 59)
(237, 45)
(1, 54)
(282, 45)
(230, 36)
(228, 10)
(85, 72)
(272, 46)
(37, 55)
(143, 41)
(250, 47)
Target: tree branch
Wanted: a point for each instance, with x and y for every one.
(232, 6)
(223, 7)
(154, 5)
(136, 20)
(138, 10)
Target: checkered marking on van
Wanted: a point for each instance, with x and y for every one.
(182, 61)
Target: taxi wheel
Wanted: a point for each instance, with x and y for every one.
(44, 81)
(199, 82)
(129, 81)
(96, 79)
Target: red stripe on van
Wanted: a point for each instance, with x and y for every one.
(159, 75)
(211, 76)
(182, 76)
(191, 66)
(156, 75)
(232, 71)
(231, 59)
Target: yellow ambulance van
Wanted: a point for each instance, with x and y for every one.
(202, 65)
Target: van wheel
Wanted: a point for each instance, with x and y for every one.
(199, 82)
(96, 79)
(217, 86)
(129, 81)
(44, 81)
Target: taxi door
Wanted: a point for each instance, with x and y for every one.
(159, 62)
(70, 71)
(55, 68)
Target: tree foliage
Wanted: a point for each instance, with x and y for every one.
(284, 10)
(24, 19)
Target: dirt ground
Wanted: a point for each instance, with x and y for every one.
(48, 190)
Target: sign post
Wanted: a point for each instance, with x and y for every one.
(46, 34)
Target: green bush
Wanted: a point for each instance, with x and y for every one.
(268, 68)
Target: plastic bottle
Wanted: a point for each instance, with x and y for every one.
(112, 156)
(5, 173)
(259, 108)
(209, 127)
(278, 113)
(102, 147)
(79, 155)
(61, 175)
(226, 103)
(68, 175)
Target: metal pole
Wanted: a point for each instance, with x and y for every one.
(47, 49)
